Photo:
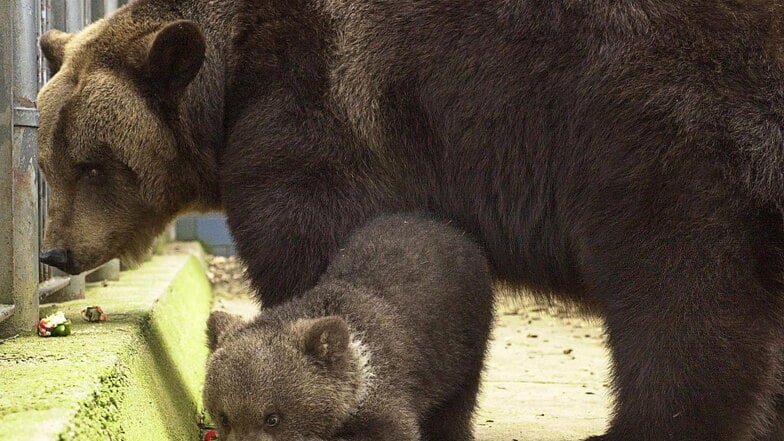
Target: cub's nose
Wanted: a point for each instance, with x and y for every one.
(56, 257)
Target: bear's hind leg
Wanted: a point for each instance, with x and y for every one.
(694, 317)
(776, 431)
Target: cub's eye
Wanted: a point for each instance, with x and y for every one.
(272, 420)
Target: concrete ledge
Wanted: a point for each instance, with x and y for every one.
(135, 377)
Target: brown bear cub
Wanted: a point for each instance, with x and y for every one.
(388, 345)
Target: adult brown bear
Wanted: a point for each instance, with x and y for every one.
(626, 156)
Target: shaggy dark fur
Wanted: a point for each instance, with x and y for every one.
(625, 155)
(387, 346)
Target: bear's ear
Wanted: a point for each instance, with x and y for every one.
(53, 47)
(174, 56)
(219, 325)
(324, 339)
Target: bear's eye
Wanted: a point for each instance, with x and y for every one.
(224, 420)
(271, 420)
(90, 171)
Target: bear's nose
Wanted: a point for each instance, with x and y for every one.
(57, 257)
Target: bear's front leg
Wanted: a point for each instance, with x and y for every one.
(294, 188)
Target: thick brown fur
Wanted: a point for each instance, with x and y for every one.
(624, 155)
(387, 346)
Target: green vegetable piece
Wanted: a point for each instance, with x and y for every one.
(63, 329)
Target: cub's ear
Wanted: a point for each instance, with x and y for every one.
(219, 325)
(174, 56)
(53, 47)
(325, 339)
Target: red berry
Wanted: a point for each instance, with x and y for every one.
(211, 435)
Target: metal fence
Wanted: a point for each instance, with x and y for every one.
(23, 282)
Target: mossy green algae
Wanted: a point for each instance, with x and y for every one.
(137, 376)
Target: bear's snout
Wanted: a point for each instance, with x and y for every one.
(59, 258)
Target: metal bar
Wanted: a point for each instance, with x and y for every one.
(44, 271)
(97, 9)
(25, 229)
(24, 168)
(63, 287)
(109, 6)
(51, 286)
(26, 117)
(74, 15)
(87, 14)
(55, 14)
(6, 151)
(6, 311)
(49, 15)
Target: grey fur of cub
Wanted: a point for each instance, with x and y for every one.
(389, 345)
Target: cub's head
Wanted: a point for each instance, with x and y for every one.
(283, 380)
(112, 144)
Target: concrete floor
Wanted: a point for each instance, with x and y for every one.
(545, 379)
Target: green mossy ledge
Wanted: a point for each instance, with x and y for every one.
(137, 376)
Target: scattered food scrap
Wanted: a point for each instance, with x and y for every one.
(93, 314)
(55, 325)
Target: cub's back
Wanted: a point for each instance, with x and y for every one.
(436, 280)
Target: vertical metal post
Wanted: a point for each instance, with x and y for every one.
(96, 9)
(48, 15)
(87, 12)
(6, 152)
(24, 166)
(74, 15)
(109, 6)
(55, 14)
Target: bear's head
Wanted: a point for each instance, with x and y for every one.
(113, 145)
(282, 380)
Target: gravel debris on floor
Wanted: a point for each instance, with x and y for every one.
(227, 275)
(230, 285)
